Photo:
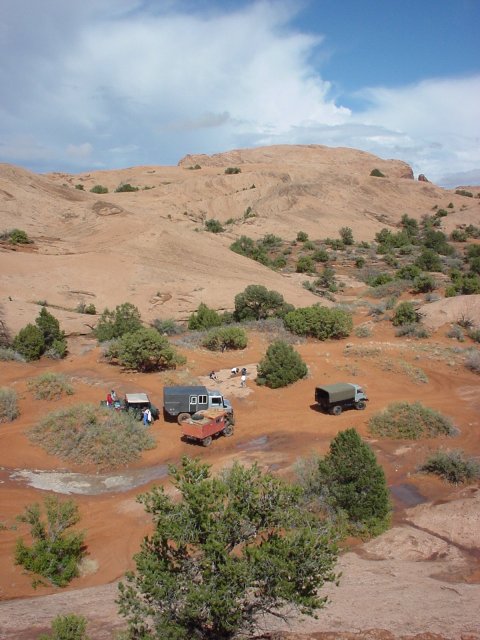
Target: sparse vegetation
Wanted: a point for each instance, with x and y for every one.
(319, 322)
(17, 236)
(88, 309)
(464, 192)
(453, 466)
(55, 552)
(8, 405)
(204, 318)
(67, 627)
(50, 386)
(405, 313)
(126, 188)
(377, 173)
(281, 366)
(113, 324)
(168, 326)
(232, 170)
(410, 421)
(84, 433)
(214, 226)
(413, 330)
(472, 361)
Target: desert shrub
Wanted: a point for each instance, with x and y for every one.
(29, 342)
(85, 433)
(257, 302)
(319, 322)
(452, 466)
(113, 324)
(363, 331)
(394, 288)
(204, 318)
(18, 236)
(87, 309)
(67, 627)
(55, 553)
(225, 338)
(281, 366)
(429, 260)
(305, 264)
(380, 279)
(441, 213)
(98, 188)
(437, 241)
(335, 243)
(80, 187)
(8, 405)
(456, 332)
(308, 245)
(472, 231)
(349, 480)
(464, 192)
(459, 235)
(413, 330)
(144, 350)
(50, 386)
(245, 246)
(408, 272)
(360, 262)
(472, 361)
(55, 343)
(474, 334)
(377, 173)
(474, 265)
(6, 353)
(463, 283)
(346, 234)
(405, 313)
(410, 421)
(424, 283)
(232, 170)
(278, 262)
(168, 326)
(302, 236)
(409, 225)
(125, 187)
(214, 226)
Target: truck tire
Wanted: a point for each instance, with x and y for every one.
(336, 410)
(207, 441)
(360, 405)
(182, 417)
(228, 431)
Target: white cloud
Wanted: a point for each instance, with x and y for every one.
(145, 83)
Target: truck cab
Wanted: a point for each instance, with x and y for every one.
(183, 401)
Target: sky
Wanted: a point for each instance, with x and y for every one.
(106, 84)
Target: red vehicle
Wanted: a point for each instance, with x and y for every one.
(205, 425)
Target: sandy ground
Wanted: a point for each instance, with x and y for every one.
(422, 576)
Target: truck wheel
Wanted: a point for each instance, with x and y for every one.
(228, 431)
(182, 417)
(360, 405)
(337, 410)
(207, 441)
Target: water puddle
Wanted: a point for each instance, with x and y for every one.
(407, 494)
(89, 485)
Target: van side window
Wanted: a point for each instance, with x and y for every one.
(202, 399)
(193, 399)
(216, 400)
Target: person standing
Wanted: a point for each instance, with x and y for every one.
(243, 380)
(147, 417)
(109, 400)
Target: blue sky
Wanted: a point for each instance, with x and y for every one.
(115, 83)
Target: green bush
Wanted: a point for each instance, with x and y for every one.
(405, 313)
(55, 553)
(144, 350)
(360, 262)
(452, 466)
(346, 234)
(350, 480)
(80, 187)
(320, 255)
(88, 309)
(459, 235)
(125, 188)
(232, 170)
(225, 338)
(168, 327)
(414, 330)
(379, 280)
(305, 264)
(29, 342)
(67, 627)
(257, 302)
(214, 226)
(408, 272)
(8, 405)
(404, 420)
(363, 331)
(424, 283)
(464, 192)
(319, 322)
(302, 236)
(99, 189)
(113, 324)
(18, 236)
(377, 173)
(429, 260)
(85, 433)
(474, 334)
(223, 551)
(50, 386)
(281, 366)
(204, 318)
(472, 361)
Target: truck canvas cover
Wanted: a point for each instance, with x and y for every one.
(336, 392)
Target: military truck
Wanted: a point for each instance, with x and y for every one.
(183, 402)
(333, 398)
(205, 425)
